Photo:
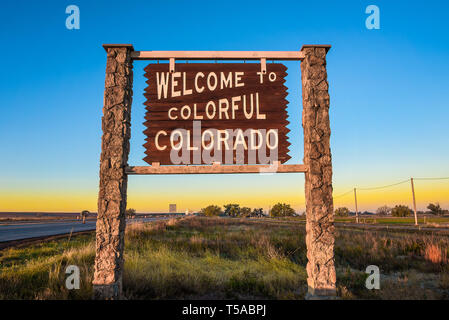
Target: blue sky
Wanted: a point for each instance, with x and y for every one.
(389, 94)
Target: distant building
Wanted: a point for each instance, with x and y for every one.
(172, 208)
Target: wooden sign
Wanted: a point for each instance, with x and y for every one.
(200, 113)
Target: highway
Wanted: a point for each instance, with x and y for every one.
(19, 231)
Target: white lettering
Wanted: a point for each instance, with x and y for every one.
(184, 90)
(222, 109)
(162, 84)
(174, 83)
(209, 85)
(156, 140)
(198, 89)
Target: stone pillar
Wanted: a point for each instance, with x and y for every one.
(318, 178)
(116, 123)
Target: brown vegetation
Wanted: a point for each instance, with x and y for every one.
(231, 258)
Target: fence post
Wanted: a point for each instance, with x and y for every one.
(111, 220)
(321, 276)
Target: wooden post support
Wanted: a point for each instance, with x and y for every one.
(116, 122)
(321, 275)
(414, 201)
(356, 207)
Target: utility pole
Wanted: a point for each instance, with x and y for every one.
(356, 209)
(414, 201)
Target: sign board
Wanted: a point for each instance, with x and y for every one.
(231, 113)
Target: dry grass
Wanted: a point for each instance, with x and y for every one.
(224, 258)
(435, 254)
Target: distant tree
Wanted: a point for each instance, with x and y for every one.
(232, 209)
(342, 212)
(401, 211)
(383, 211)
(436, 209)
(245, 212)
(130, 213)
(211, 211)
(281, 210)
(258, 212)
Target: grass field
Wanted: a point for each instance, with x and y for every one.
(428, 221)
(230, 258)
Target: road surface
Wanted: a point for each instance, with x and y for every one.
(19, 231)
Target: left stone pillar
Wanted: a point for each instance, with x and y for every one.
(116, 125)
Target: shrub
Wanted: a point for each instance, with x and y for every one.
(436, 209)
(258, 212)
(130, 213)
(245, 212)
(383, 211)
(281, 210)
(401, 211)
(342, 212)
(232, 210)
(211, 211)
(435, 254)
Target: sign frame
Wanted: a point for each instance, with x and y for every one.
(114, 168)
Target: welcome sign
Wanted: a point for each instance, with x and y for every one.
(231, 113)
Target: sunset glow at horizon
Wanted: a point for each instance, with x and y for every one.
(145, 200)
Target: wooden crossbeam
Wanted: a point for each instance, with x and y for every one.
(215, 169)
(217, 55)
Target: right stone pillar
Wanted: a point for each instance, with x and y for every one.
(321, 275)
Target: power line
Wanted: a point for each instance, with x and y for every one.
(445, 178)
(387, 186)
(401, 182)
(343, 194)
(392, 185)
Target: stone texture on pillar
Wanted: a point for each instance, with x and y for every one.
(318, 178)
(116, 123)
